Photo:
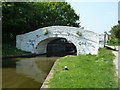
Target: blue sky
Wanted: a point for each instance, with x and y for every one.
(96, 16)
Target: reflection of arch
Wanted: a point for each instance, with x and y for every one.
(30, 69)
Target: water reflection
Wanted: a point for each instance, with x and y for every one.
(30, 69)
(26, 72)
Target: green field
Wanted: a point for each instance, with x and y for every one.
(85, 71)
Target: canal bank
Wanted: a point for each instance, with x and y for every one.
(50, 75)
(85, 71)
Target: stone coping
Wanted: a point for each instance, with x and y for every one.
(50, 75)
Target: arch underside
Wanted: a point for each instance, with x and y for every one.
(42, 46)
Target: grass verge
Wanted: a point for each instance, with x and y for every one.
(116, 44)
(10, 49)
(85, 71)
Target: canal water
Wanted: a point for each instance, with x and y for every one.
(26, 72)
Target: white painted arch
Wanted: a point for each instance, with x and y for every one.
(86, 42)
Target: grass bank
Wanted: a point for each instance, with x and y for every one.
(10, 49)
(85, 71)
(115, 44)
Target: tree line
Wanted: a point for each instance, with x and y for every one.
(23, 17)
(114, 38)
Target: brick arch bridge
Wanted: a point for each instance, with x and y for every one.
(86, 42)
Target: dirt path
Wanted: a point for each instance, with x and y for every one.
(119, 61)
(116, 60)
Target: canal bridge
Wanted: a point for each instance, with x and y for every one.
(86, 42)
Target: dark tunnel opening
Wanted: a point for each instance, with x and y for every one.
(60, 47)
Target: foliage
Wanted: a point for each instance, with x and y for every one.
(115, 35)
(85, 71)
(115, 44)
(10, 49)
(46, 32)
(23, 17)
(79, 33)
(119, 82)
(16, 19)
(119, 22)
(115, 32)
(113, 41)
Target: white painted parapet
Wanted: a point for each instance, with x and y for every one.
(86, 42)
(101, 40)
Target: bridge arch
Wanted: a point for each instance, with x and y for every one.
(41, 46)
(86, 42)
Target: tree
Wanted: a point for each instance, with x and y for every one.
(115, 34)
(55, 13)
(23, 17)
(16, 18)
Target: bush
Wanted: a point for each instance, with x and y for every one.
(79, 33)
(46, 32)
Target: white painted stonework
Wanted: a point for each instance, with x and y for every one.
(101, 40)
(86, 42)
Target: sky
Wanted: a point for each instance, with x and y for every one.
(97, 16)
(119, 11)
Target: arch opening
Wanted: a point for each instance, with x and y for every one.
(60, 47)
